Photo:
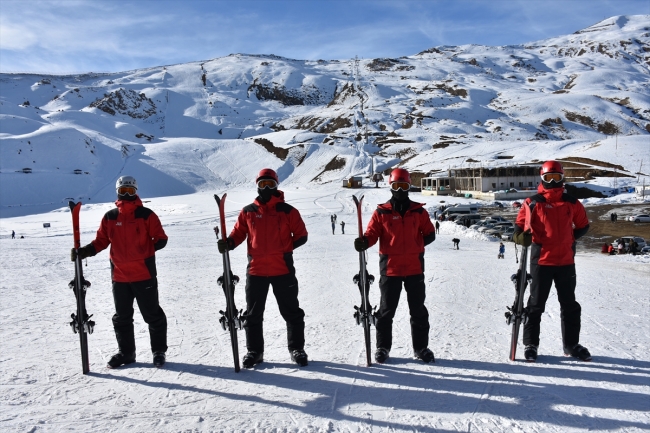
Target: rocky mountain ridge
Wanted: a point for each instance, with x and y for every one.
(579, 95)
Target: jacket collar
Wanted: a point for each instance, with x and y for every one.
(551, 195)
(388, 206)
(274, 200)
(128, 206)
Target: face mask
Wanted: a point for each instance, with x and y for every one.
(400, 195)
(266, 194)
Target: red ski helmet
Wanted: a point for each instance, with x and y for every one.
(399, 175)
(267, 173)
(551, 167)
(552, 175)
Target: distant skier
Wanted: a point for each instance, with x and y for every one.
(456, 241)
(557, 220)
(342, 227)
(502, 251)
(437, 227)
(403, 228)
(134, 234)
(13, 234)
(272, 230)
(333, 226)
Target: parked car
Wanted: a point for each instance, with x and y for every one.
(645, 250)
(498, 229)
(481, 224)
(627, 239)
(507, 234)
(643, 218)
(484, 228)
(516, 204)
(473, 218)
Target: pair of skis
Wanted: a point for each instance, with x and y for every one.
(363, 314)
(81, 323)
(231, 318)
(517, 314)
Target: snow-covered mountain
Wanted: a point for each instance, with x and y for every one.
(208, 125)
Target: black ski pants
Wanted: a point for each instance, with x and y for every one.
(564, 278)
(390, 289)
(146, 293)
(285, 289)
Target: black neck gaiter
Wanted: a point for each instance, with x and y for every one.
(264, 195)
(400, 201)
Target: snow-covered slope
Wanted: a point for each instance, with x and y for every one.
(472, 387)
(203, 125)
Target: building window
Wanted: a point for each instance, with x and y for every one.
(521, 184)
(494, 185)
(530, 184)
(512, 184)
(501, 183)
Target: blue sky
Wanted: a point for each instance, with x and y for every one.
(69, 36)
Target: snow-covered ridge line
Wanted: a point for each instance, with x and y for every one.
(581, 95)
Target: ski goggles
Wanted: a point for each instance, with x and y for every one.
(126, 190)
(552, 177)
(266, 183)
(396, 186)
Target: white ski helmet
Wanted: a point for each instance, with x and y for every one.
(126, 181)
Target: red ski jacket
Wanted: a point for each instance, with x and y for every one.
(273, 230)
(401, 238)
(134, 233)
(557, 220)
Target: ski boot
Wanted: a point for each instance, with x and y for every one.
(299, 357)
(578, 351)
(120, 359)
(159, 359)
(530, 353)
(251, 359)
(425, 355)
(381, 355)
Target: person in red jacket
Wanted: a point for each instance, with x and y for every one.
(134, 233)
(272, 230)
(557, 220)
(403, 228)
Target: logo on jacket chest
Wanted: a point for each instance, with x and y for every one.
(395, 217)
(257, 215)
(119, 223)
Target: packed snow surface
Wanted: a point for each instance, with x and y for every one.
(471, 387)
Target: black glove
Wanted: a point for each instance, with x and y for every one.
(82, 253)
(225, 245)
(524, 239)
(361, 244)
